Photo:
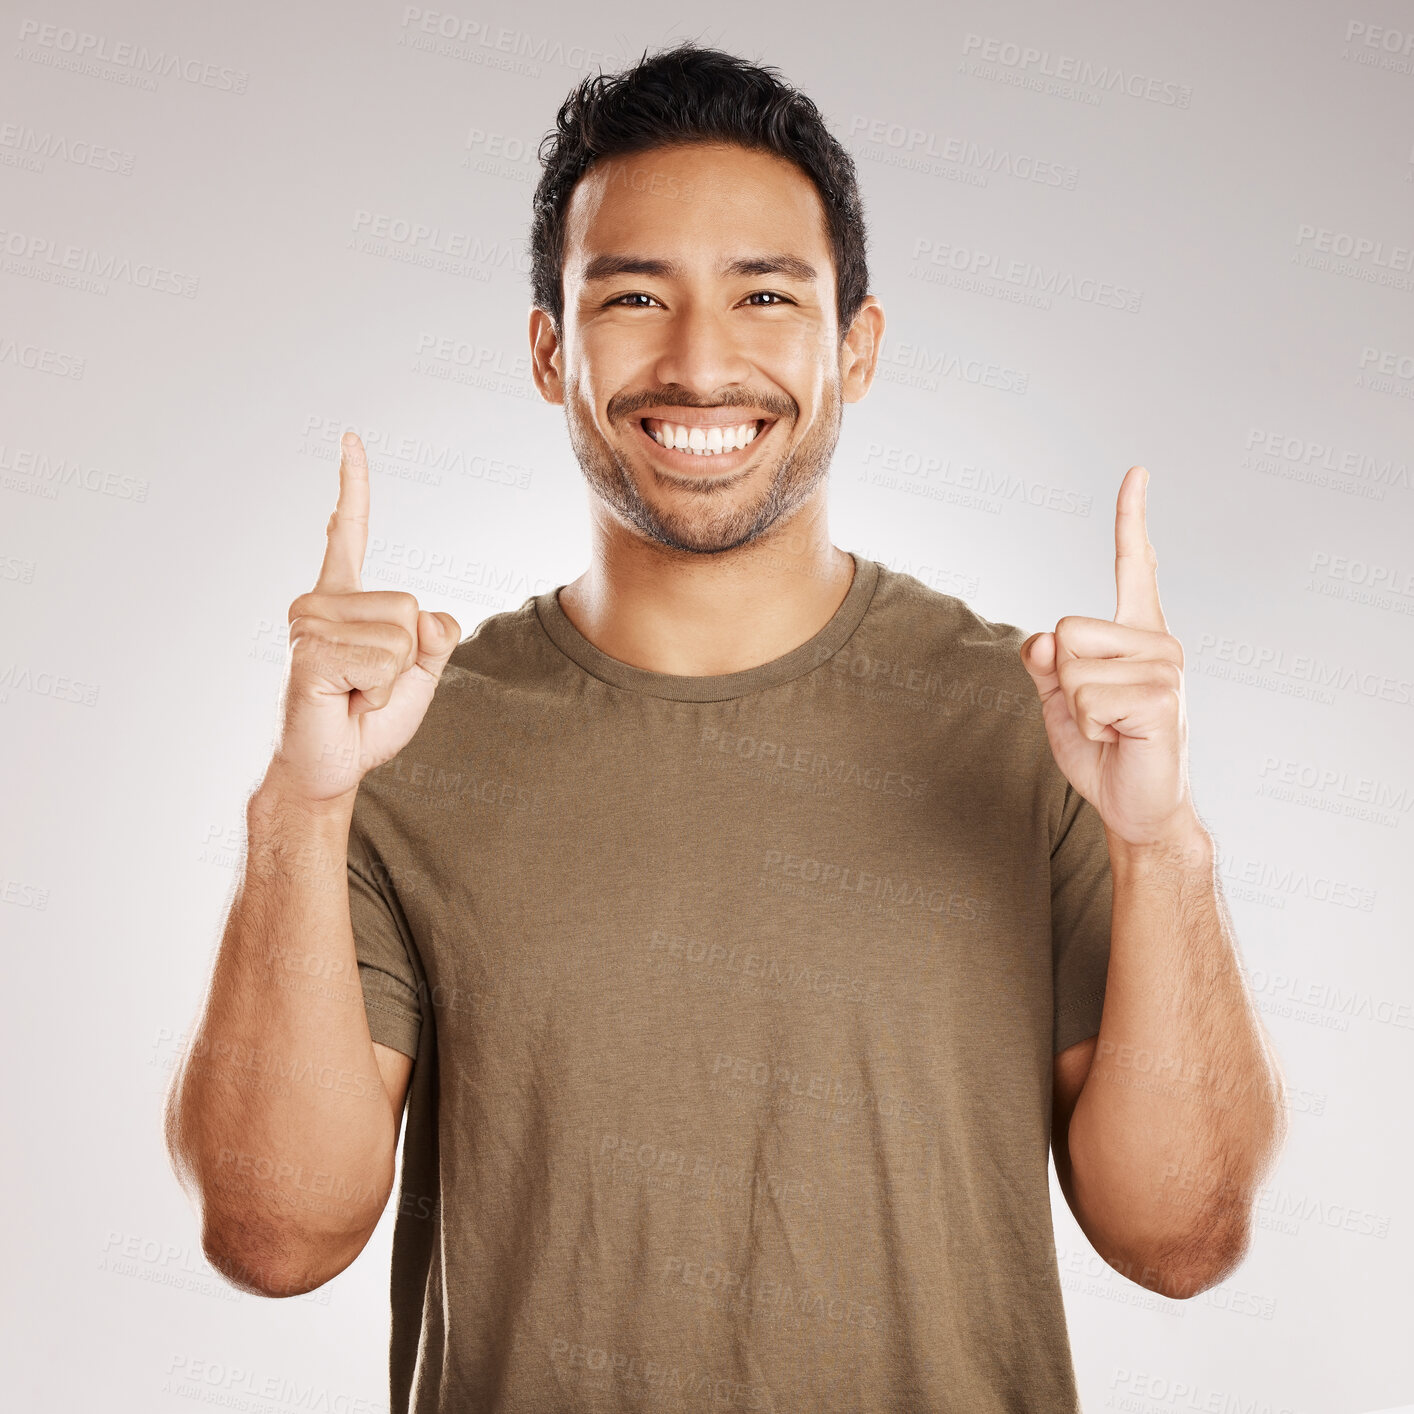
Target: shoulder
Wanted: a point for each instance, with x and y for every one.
(935, 632)
(505, 671)
(935, 652)
(504, 651)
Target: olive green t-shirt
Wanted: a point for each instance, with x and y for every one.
(732, 1002)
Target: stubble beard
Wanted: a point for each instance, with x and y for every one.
(717, 520)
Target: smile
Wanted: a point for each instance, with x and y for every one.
(702, 448)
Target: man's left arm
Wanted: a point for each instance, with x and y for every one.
(1166, 1122)
(1176, 1109)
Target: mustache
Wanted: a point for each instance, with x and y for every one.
(628, 404)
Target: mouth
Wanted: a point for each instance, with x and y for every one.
(713, 457)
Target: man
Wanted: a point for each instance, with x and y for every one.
(739, 923)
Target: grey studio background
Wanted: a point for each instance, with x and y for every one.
(1102, 235)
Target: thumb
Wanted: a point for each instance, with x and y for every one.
(437, 636)
(1038, 655)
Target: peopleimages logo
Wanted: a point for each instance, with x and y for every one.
(950, 154)
(62, 47)
(455, 36)
(785, 757)
(42, 257)
(39, 359)
(1378, 46)
(1265, 448)
(1036, 65)
(1346, 792)
(937, 260)
(32, 149)
(1293, 674)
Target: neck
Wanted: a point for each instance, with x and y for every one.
(672, 611)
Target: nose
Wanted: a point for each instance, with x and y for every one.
(701, 351)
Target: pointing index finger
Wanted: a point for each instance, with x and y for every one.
(342, 570)
(1136, 565)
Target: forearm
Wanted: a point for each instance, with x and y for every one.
(278, 1121)
(1184, 1106)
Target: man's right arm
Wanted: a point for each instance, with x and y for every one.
(282, 1120)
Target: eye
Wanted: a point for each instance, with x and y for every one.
(639, 295)
(618, 299)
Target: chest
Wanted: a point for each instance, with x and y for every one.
(723, 898)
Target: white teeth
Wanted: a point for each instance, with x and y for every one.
(704, 441)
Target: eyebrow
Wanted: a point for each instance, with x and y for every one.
(606, 267)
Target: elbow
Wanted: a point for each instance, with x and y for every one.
(262, 1263)
(251, 1232)
(1185, 1270)
(272, 1258)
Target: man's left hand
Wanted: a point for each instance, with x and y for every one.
(1112, 695)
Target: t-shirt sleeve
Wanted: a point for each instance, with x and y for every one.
(1081, 895)
(385, 969)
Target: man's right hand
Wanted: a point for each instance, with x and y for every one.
(363, 665)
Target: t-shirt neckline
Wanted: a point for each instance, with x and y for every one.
(717, 687)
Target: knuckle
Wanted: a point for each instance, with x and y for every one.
(1164, 696)
(379, 658)
(304, 627)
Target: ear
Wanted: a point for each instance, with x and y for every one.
(859, 354)
(546, 366)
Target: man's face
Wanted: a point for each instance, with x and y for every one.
(699, 294)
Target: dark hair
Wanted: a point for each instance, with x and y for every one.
(684, 95)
